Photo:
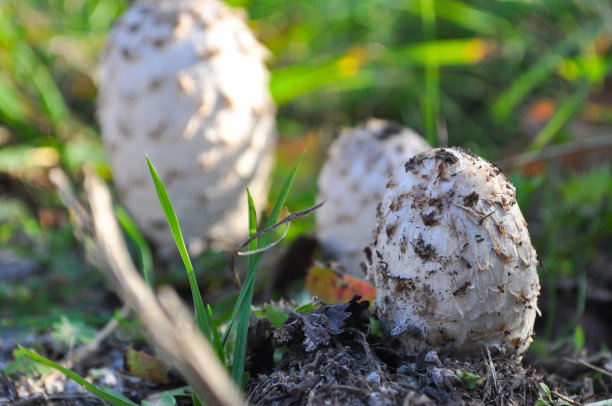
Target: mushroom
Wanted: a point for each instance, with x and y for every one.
(353, 181)
(451, 259)
(185, 82)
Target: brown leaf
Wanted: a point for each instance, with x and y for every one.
(144, 366)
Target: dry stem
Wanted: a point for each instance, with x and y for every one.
(168, 323)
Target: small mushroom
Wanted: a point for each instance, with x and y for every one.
(452, 260)
(353, 181)
(185, 82)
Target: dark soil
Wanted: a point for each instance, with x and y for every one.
(331, 358)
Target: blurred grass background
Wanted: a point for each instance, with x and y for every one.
(501, 77)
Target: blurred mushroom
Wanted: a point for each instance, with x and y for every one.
(451, 259)
(185, 82)
(353, 182)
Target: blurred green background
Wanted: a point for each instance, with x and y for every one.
(526, 84)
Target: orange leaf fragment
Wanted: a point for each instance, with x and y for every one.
(332, 288)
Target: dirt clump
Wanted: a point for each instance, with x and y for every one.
(333, 357)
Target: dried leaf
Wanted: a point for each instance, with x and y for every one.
(316, 328)
(144, 366)
(333, 288)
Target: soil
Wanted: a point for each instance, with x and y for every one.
(334, 359)
(332, 356)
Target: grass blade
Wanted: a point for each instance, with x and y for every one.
(567, 110)
(252, 224)
(102, 392)
(431, 103)
(257, 257)
(241, 338)
(243, 304)
(472, 18)
(217, 344)
(507, 101)
(130, 228)
(447, 52)
(196, 400)
(290, 82)
(38, 74)
(198, 303)
(13, 109)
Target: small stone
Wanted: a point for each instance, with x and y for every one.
(407, 369)
(432, 358)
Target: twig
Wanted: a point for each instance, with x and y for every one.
(60, 398)
(168, 328)
(267, 247)
(485, 217)
(588, 365)
(84, 229)
(245, 243)
(493, 373)
(557, 151)
(88, 348)
(60, 180)
(562, 396)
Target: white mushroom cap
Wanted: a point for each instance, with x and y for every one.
(184, 81)
(452, 260)
(353, 181)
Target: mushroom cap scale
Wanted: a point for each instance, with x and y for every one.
(185, 82)
(353, 181)
(451, 259)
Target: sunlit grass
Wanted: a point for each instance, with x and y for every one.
(431, 101)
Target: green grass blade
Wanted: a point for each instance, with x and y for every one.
(39, 75)
(146, 258)
(431, 103)
(196, 400)
(470, 17)
(567, 110)
(198, 303)
(282, 197)
(217, 344)
(12, 107)
(252, 225)
(102, 392)
(447, 52)
(243, 304)
(243, 320)
(507, 101)
(276, 210)
(241, 338)
(290, 82)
